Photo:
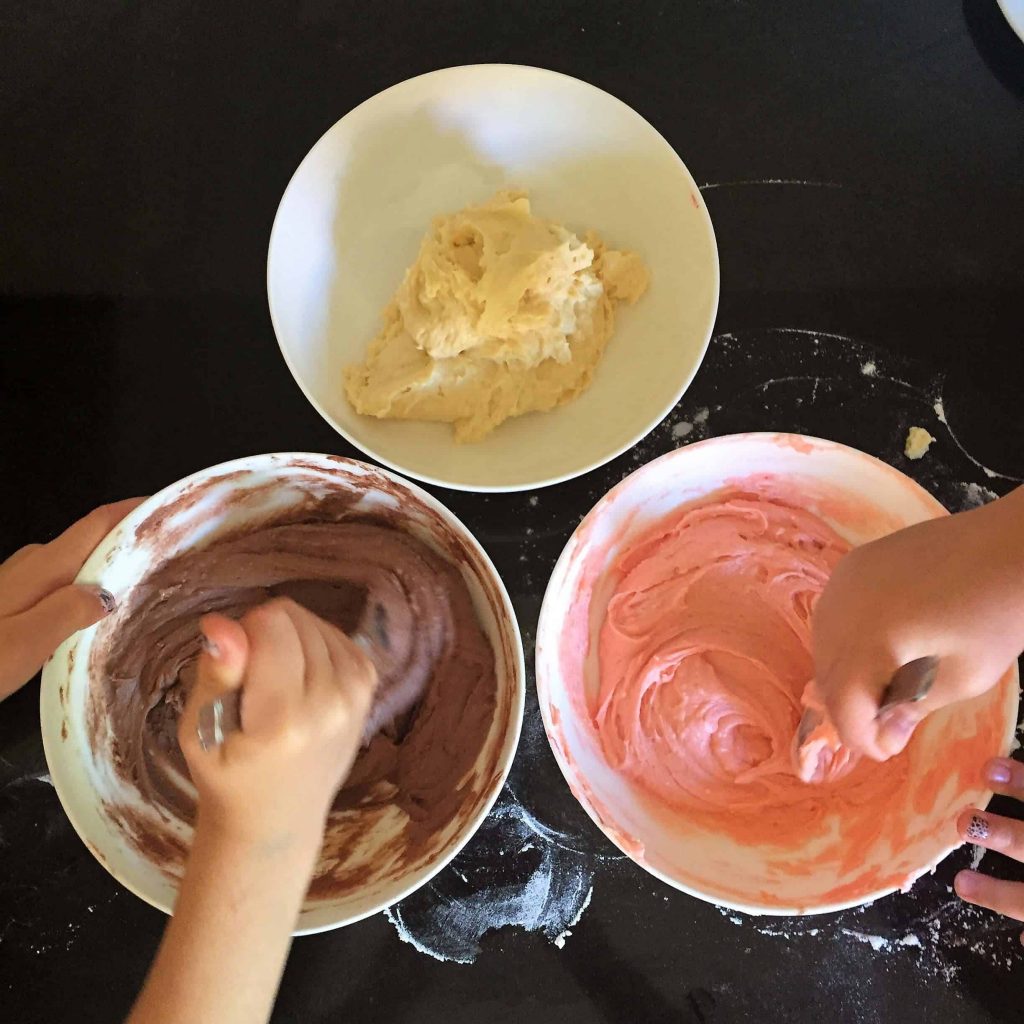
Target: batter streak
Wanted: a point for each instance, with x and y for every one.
(333, 568)
(704, 661)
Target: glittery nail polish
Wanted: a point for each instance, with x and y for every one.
(107, 600)
(978, 829)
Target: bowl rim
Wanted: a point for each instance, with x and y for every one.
(753, 909)
(1013, 12)
(440, 481)
(53, 675)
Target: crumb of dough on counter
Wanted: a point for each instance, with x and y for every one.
(918, 443)
(502, 313)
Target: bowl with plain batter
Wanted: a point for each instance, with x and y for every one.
(122, 786)
(670, 699)
(352, 217)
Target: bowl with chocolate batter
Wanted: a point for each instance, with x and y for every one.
(337, 536)
(673, 660)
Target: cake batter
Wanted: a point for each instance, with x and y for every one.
(705, 660)
(334, 567)
(503, 313)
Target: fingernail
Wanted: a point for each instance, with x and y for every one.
(998, 773)
(965, 883)
(978, 828)
(895, 731)
(210, 647)
(106, 599)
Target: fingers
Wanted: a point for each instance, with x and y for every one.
(275, 675)
(311, 633)
(334, 667)
(221, 667)
(896, 725)
(18, 555)
(993, 831)
(354, 672)
(851, 694)
(30, 637)
(994, 893)
(853, 690)
(34, 572)
(1005, 776)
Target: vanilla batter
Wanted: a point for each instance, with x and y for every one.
(503, 313)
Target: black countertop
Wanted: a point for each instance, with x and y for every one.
(863, 163)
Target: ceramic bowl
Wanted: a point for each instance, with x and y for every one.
(195, 511)
(353, 215)
(862, 499)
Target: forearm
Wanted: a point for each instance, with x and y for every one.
(1003, 540)
(224, 950)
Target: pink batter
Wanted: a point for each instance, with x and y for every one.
(704, 659)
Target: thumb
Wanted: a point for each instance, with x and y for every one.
(226, 653)
(850, 691)
(221, 668)
(31, 636)
(897, 724)
(956, 679)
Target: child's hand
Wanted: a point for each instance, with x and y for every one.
(307, 692)
(995, 832)
(950, 587)
(40, 606)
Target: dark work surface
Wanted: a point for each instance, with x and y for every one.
(144, 150)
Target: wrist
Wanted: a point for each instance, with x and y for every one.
(297, 837)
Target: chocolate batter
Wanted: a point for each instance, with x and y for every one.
(334, 567)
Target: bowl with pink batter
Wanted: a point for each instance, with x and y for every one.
(673, 652)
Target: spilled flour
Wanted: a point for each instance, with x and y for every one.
(537, 886)
(928, 928)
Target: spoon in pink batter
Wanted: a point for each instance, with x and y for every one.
(818, 754)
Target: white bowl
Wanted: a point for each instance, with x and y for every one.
(82, 772)
(1013, 11)
(353, 215)
(862, 498)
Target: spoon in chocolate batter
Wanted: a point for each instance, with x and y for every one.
(222, 716)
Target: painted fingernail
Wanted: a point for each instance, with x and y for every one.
(210, 647)
(978, 828)
(107, 600)
(998, 773)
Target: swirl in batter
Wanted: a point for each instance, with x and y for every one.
(334, 568)
(704, 659)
